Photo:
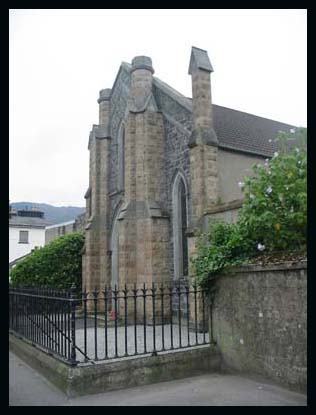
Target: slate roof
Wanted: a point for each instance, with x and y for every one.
(28, 222)
(245, 132)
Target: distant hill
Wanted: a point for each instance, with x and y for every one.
(54, 214)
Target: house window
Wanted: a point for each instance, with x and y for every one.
(24, 237)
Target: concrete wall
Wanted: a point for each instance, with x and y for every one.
(259, 321)
(16, 249)
(232, 168)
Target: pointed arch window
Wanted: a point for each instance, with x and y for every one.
(115, 253)
(180, 221)
(121, 158)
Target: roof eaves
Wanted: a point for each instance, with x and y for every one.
(25, 225)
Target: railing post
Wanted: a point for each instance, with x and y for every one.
(95, 301)
(135, 316)
(105, 293)
(84, 300)
(171, 316)
(144, 290)
(73, 325)
(211, 302)
(125, 293)
(153, 295)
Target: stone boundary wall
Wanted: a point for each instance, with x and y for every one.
(117, 373)
(55, 231)
(260, 321)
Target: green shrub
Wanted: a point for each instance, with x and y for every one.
(58, 264)
(273, 217)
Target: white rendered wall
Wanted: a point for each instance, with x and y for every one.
(16, 249)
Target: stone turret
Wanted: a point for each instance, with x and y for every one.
(95, 260)
(203, 142)
(200, 69)
(141, 83)
(104, 106)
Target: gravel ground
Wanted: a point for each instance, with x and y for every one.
(161, 332)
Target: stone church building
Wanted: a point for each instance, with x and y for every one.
(162, 165)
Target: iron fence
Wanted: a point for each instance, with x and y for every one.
(115, 322)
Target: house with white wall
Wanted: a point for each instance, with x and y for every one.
(26, 231)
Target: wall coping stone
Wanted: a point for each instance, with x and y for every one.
(223, 207)
(278, 266)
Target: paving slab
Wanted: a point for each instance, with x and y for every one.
(166, 337)
(29, 388)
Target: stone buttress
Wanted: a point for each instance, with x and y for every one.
(96, 262)
(203, 146)
(143, 223)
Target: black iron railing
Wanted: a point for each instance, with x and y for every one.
(113, 322)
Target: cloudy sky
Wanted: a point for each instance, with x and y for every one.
(60, 59)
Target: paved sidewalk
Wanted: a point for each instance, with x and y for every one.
(29, 388)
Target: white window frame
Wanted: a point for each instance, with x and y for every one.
(27, 238)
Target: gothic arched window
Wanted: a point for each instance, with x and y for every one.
(115, 253)
(180, 220)
(120, 156)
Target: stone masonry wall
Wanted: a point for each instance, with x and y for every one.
(57, 231)
(178, 126)
(259, 321)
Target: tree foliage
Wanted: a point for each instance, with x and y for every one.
(58, 264)
(273, 217)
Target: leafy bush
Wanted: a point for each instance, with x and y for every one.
(57, 264)
(273, 217)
